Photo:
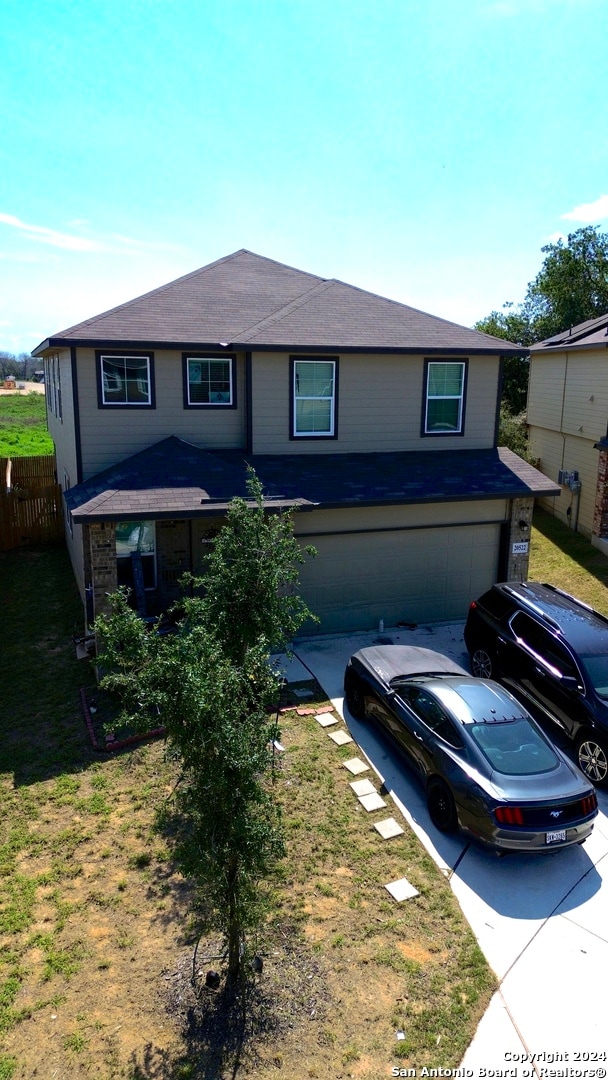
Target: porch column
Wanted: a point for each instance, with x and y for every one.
(520, 527)
(102, 548)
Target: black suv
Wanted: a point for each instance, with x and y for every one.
(553, 650)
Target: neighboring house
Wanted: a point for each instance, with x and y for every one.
(568, 424)
(377, 421)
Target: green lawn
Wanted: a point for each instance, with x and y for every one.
(23, 430)
(562, 557)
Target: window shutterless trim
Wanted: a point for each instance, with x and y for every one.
(110, 354)
(464, 363)
(312, 359)
(229, 358)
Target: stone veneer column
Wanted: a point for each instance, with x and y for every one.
(102, 547)
(600, 512)
(520, 528)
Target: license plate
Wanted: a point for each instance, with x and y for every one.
(556, 836)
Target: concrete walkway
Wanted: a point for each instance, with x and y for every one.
(541, 921)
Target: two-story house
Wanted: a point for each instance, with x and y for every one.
(376, 421)
(568, 424)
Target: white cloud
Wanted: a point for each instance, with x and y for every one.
(116, 244)
(43, 235)
(589, 212)
(554, 237)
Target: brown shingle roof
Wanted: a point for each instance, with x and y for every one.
(176, 479)
(591, 334)
(245, 300)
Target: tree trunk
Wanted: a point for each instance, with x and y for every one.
(234, 925)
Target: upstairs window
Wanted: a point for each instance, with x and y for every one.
(209, 381)
(444, 398)
(314, 398)
(125, 380)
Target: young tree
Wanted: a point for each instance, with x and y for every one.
(249, 589)
(213, 687)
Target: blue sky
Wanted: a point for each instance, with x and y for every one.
(423, 150)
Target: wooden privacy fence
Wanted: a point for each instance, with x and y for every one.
(30, 502)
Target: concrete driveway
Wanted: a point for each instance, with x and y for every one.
(541, 921)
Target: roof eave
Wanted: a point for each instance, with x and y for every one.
(217, 509)
(231, 346)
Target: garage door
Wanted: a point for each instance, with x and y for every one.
(410, 576)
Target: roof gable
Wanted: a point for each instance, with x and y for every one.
(248, 301)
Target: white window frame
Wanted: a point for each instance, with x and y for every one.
(207, 360)
(143, 384)
(445, 397)
(307, 434)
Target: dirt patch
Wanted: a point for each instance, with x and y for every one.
(23, 388)
(96, 940)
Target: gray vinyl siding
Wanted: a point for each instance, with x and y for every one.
(62, 431)
(559, 451)
(76, 552)
(134, 430)
(380, 400)
(586, 395)
(569, 393)
(546, 391)
(568, 414)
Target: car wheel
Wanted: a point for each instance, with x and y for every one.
(441, 806)
(354, 697)
(482, 665)
(592, 758)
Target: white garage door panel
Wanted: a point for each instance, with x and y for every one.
(415, 575)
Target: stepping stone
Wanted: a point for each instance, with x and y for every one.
(388, 828)
(324, 709)
(326, 719)
(372, 802)
(356, 766)
(306, 712)
(401, 890)
(362, 787)
(341, 738)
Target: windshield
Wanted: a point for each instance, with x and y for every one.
(597, 670)
(514, 747)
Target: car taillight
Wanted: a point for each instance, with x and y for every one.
(509, 815)
(589, 804)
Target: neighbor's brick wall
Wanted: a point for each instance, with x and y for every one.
(600, 513)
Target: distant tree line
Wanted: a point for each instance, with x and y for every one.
(570, 287)
(18, 366)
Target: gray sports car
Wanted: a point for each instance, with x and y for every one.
(487, 767)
